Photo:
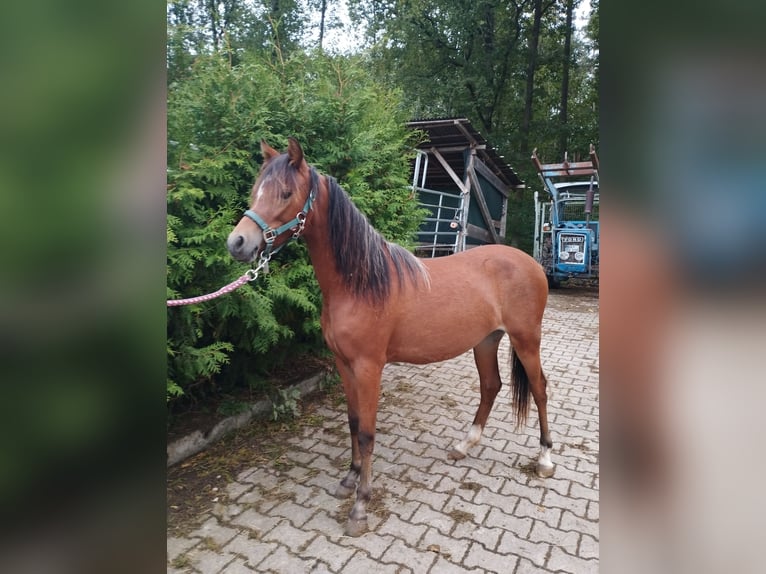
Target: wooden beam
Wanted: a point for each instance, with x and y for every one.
(448, 169)
(487, 174)
(477, 192)
(435, 123)
(466, 204)
(477, 232)
(577, 168)
(466, 133)
(454, 148)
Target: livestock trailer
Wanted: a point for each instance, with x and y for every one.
(463, 183)
(567, 231)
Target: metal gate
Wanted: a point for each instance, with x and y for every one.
(440, 232)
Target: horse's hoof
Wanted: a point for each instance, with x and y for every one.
(344, 491)
(455, 454)
(545, 471)
(356, 527)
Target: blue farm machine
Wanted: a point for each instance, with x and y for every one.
(566, 239)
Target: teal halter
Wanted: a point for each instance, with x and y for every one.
(295, 225)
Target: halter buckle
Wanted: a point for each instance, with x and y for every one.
(269, 235)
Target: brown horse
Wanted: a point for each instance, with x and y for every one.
(382, 304)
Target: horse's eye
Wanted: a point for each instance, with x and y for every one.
(286, 193)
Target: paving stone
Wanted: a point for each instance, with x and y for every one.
(436, 500)
(209, 561)
(577, 506)
(479, 557)
(332, 553)
(254, 551)
(288, 535)
(443, 566)
(284, 560)
(563, 562)
(489, 537)
(555, 537)
(534, 492)
(401, 529)
(295, 513)
(405, 555)
(592, 511)
(214, 531)
(525, 566)
(571, 522)
(521, 526)
(177, 546)
(448, 547)
(588, 547)
(256, 522)
(319, 567)
(488, 512)
(235, 489)
(536, 552)
(360, 564)
(373, 545)
(238, 566)
(550, 516)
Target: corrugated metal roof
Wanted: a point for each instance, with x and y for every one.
(451, 136)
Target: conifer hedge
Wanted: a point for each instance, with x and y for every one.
(349, 126)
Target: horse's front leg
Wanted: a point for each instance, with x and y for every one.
(361, 383)
(347, 486)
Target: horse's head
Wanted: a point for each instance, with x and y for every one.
(279, 203)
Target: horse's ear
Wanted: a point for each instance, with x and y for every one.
(267, 151)
(294, 152)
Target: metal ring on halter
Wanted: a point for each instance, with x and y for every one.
(301, 218)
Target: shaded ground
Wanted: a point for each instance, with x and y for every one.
(195, 485)
(189, 415)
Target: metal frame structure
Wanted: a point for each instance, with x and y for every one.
(465, 185)
(567, 230)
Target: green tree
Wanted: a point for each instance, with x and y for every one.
(507, 66)
(450, 58)
(234, 27)
(349, 126)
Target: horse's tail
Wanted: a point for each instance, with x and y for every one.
(520, 382)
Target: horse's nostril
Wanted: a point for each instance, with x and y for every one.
(235, 244)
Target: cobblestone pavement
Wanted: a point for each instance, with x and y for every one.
(486, 513)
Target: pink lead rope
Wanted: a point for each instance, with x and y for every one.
(251, 275)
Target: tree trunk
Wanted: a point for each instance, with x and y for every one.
(212, 9)
(534, 40)
(563, 113)
(323, 9)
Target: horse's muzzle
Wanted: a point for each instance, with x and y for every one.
(245, 247)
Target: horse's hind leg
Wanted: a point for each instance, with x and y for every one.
(485, 356)
(527, 365)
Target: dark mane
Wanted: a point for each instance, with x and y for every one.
(362, 255)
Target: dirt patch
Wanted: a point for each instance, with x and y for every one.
(474, 486)
(460, 516)
(575, 297)
(197, 485)
(449, 401)
(529, 469)
(188, 415)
